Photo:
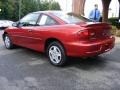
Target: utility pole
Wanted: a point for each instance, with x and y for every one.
(20, 1)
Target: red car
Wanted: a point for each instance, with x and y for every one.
(60, 35)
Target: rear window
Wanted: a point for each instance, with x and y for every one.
(70, 18)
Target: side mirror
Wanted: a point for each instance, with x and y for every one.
(15, 24)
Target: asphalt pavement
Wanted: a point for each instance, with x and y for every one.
(24, 69)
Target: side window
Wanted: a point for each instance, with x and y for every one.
(47, 21)
(29, 20)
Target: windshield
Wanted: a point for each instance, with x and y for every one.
(70, 18)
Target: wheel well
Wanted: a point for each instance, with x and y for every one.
(48, 41)
(4, 34)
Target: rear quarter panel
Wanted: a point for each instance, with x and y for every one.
(63, 33)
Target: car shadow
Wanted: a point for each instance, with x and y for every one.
(88, 63)
(80, 63)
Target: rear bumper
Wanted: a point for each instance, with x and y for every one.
(92, 49)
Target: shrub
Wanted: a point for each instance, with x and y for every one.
(118, 33)
(113, 31)
(114, 22)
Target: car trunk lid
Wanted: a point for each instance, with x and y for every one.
(96, 30)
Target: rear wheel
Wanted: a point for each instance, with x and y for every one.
(56, 54)
(7, 41)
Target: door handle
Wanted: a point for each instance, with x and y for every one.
(29, 30)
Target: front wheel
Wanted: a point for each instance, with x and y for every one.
(8, 43)
(56, 54)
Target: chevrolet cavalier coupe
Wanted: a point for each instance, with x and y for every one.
(60, 35)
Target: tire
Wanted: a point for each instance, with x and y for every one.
(56, 54)
(8, 43)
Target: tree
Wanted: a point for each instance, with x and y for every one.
(119, 8)
(106, 4)
(28, 6)
(78, 7)
(3, 8)
(0, 8)
(54, 6)
(10, 8)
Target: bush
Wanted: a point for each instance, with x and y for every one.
(118, 33)
(114, 21)
(115, 31)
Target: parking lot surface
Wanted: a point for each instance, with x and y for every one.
(24, 69)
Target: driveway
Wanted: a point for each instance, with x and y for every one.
(24, 69)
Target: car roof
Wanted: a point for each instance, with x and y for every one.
(50, 11)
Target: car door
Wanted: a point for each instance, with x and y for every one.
(22, 33)
(38, 34)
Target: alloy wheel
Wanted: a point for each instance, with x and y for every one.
(55, 54)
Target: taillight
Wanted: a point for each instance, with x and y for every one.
(83, 34)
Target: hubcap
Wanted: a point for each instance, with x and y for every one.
(55, 54)
(7, 41)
